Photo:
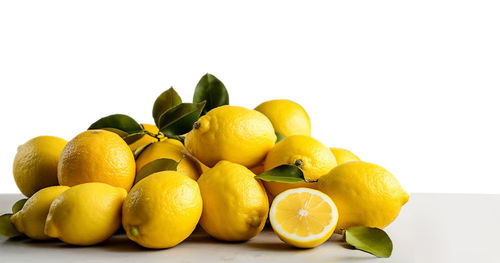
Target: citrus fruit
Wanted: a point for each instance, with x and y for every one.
(343, 155)
(146, 138)
(86, 214)
(308, 154)
(231, 133)
(30, 220)
(288, 118)
(167, 149)
(35, 164)
(365, 194)
(162, 209)
(97, 156)
(235, 204)
(303, 217)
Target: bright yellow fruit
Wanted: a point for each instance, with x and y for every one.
(231, 133)
(310, 155)
(365, 194)
(343, 155)
(287, 117)
(31, 219)
(97, 156)
(235, 204)
(303, 217)
(162, 210)
(167, 149)
(146, 138)
(35, 164)
(86, 214)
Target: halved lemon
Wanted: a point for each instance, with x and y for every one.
(303, 217)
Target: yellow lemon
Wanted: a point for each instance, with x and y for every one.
(162, 209)
(167, 149)
(288, 118)
(343, 155)
(235, 204)
(310, 155)
(97, 156)
(30, 220)
(85, 214)
(35, 164)
(303, 217)
(365, 194)
(146, 138)
(231, 133)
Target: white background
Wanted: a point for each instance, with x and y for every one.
(409, 85)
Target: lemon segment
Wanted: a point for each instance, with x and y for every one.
(303, 217)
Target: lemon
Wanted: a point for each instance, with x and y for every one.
(85, 214)
(97, 156)
(310, 155)
(146, 138)
(235, 204)
(35, 164)
(231, 133)
(288, 118)
(162, 209)
(171, 150)
(365, 194)
(30, 220)
(303, 217)
(343, 155)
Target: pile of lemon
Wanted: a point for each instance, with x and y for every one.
(84, 190)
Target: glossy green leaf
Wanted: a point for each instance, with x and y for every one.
(131, 138)
(119, 122)
(180, 119)
(140, 149)
(155, 166)
(7, 229)
(369, 239)
(283, 174)
(168, 99)
(211, 90)
(279, 137)
(18, 205)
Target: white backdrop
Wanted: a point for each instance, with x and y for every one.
(409, 85)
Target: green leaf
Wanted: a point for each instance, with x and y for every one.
(7, 229)
(369, 239)
(180, 119)
(131, 138)
(155, 166)
(18, 205)
(283, 174)
(140, 149)
(119, 122)
(168, 99)
(211, 90)
(279, 137)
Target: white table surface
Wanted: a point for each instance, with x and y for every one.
(430, 228)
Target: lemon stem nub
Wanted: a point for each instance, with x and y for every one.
(299, 163)
(134, 231)
(196, 125)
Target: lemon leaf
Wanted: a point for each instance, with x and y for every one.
(283, 174)
(168, 99)
(155, 166)
(18, 205)
(131, 138)
(279, 137)
(7, 229)
(211, 90)
(119, 122)
(180, 119)
(369, 239)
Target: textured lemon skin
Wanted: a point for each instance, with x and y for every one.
(35, 164)
(343, 155)
(288, 117)
(86, 214)
(146, 138)
(235, 204)
(30, 220)
(317, 160)
(365, 194)
(164, 208)
(171, 150)
(231, 133)
(97, 156)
